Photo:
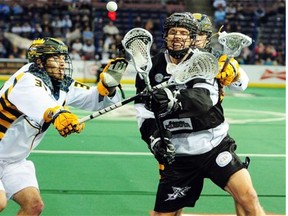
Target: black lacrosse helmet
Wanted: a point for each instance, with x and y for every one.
(183, 20)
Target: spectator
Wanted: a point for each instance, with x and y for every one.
(99, 49)
(113, 51)
(75, 55)
(110, 29)
(37, 31)
(88, 50)
(4, 11)
(47, 32)
(26, 30)
(87, 34)
(66, 24)
(219, 17)
(218, 3)
(17, 9)
(245, 56)
(260, 51)
(57, 27)
(149, 25)
(107, 42)
(138, 22)
(231, 11)
(270, 55)
(16, 28)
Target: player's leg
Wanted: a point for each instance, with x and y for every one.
(241, 188)
(20, 183)
(3, 199)
(176, 213)
(231, 174)
(239, 209)
(30, 201)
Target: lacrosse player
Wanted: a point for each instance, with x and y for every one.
(33, 99)
(192, 143)
(233, 77)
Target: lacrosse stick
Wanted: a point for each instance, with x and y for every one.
(233, 43)
(117, 105)
(137, 43)
(200, 65)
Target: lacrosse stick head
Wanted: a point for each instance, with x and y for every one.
(137, 43)
(201, 65)
(233, 43)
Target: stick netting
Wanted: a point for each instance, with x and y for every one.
(200, 65)
(234, 42)
(137, 43)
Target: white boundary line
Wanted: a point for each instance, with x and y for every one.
(133, 153)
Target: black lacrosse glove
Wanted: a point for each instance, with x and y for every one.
(162, 101)
(163, 152)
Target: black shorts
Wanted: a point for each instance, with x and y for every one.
(182, 182)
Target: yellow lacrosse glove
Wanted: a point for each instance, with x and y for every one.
(64, 121)
(230, 73)
(111, 76)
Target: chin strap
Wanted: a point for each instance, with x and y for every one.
(179, 54)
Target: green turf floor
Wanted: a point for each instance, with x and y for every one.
(108, 175)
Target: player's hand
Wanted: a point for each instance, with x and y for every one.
(64, 121)
(163, 152)
(162, 101)
(111, 76)
(230, 73)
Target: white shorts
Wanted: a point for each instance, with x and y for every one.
(17, 176)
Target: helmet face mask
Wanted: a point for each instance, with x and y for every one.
(205, 30)
(43, 49)
(180, 21)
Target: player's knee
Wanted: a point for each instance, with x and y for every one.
(250, 200)
(38, 207)
(35, 208)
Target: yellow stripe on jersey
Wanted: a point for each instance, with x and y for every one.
(8, 112)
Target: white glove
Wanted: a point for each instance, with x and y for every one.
(111, 76)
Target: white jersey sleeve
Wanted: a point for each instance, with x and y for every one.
(87, 97)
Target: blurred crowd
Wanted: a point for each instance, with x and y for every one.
(251, 18)
(77, 25)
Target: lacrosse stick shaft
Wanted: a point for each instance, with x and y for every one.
(107, 109)
(117, 105)
(225, 64)
(137, 43)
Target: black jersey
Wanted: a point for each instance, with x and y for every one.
(201, 107)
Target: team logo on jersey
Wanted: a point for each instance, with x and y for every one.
(177, 193)
(159, 77)
(178, 124)
(223, 158)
